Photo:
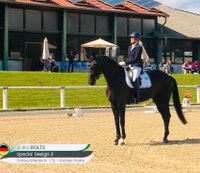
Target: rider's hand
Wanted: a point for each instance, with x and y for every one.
(122, 63)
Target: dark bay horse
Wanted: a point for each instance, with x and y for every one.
(118, 93)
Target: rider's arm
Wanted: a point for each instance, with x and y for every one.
(137, 55)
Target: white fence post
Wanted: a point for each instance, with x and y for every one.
(5, 98)
(62, 97)
(198, 94)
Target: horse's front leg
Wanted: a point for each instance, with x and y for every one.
(121, 110)
(116, 118)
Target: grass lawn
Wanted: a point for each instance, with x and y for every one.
(73, 97)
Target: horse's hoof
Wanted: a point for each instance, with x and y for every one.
(115, 143)
(122, 143)
(165, 141)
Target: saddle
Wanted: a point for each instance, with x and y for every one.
(145, 81)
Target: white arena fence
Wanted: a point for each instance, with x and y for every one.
(63, 88)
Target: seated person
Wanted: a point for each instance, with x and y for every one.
(161, 66)
(168, 67)
(147, 66)
(54, 66)
(186, 67)
(195, 67)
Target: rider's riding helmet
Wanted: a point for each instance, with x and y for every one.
(135, 35)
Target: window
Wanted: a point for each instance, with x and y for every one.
(123, 44)
(87, 24)
(149, 45)
(1, 44)
(1, 17)
(73, 44)
(15, 18)
(179, 50)
(103, 25)
(178, 56)
(73, 23)
(33, 37)
(148, 26)
(121, 26)
(50, 21)
(134, 25)
(16, 48)
(188, 55)
(33, 20)
(15, 56)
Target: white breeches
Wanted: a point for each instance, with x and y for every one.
(136, 72)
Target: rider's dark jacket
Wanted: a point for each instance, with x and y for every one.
(134, 56)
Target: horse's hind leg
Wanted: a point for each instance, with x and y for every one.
(116, 118)
(163, 108)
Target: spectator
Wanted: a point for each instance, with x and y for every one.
(161, 66)
(71, 57)
(47, 64)
(195, 67)
(168, 67)
(147, 66)
(186, 67)
(54, 66)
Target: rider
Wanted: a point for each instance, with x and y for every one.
(135, 62)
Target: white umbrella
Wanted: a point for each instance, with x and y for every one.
(45, 52)
(99, 43)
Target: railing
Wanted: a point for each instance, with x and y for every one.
(62, 91)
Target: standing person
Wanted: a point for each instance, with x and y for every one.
(71, 57)
(134, 60)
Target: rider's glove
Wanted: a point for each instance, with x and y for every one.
(122, 63)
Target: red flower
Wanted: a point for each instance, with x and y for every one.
(187, 95)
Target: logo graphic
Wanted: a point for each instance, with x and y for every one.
(4, 149)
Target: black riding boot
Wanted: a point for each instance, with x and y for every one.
(137, 90)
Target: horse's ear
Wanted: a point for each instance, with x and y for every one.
(92, 58)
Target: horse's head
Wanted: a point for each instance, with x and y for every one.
(94, 70)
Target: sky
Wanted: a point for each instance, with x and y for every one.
(188, 5)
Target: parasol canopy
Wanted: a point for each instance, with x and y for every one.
(99, 43)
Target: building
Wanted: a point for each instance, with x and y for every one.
(179, 36)
(167, 33)
(68, 24)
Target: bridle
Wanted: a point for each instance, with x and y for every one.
(90, 65)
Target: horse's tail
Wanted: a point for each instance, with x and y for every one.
(177, 104)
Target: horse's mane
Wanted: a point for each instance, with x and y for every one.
(109, 62)
(112, 70)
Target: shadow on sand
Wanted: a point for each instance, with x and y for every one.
(176, 142)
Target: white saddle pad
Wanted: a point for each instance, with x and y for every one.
(145, 80)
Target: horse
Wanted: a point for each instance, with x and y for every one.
(118, 93)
